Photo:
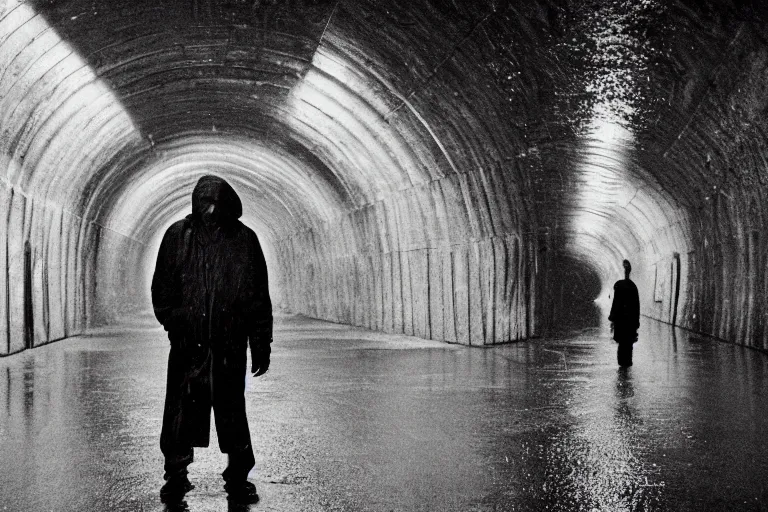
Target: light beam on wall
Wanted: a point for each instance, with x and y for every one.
(340, 105)
(59, 121)
(599, 231)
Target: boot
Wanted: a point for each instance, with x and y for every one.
(175, 488)
(242, 492)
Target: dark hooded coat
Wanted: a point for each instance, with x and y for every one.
(210, 292)
(625, 311)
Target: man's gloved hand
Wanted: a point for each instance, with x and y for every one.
(260, 358)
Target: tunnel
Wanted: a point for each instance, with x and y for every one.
(444, 192)
(436, 168)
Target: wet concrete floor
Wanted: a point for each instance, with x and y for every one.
(352, 420)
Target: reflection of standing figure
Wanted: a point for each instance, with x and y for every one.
(625, 315)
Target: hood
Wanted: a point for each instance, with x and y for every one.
(216, 188)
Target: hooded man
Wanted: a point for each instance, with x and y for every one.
(625, 315)
(210, 293)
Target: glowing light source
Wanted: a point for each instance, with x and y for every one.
(620, 213)
(603, 188)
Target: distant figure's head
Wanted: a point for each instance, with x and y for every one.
(215, 202)
(627, 268)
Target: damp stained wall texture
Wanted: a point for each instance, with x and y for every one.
(461, 171)
(47, 94)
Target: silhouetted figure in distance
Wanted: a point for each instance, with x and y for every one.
(210, 292)
(625, 316)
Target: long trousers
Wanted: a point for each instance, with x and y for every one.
(217, 384)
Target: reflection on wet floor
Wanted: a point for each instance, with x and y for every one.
(352, 420)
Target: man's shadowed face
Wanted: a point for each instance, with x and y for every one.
(214, 202)
(211, 210)
(209, 202)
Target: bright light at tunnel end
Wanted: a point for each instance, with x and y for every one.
(603, 189)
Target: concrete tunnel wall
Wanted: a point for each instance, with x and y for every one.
(450, 254)
(435, 168)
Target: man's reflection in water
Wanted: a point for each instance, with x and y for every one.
(625, 414)
(627, 489)
(179, 506)
(624, 388)
(183, 506)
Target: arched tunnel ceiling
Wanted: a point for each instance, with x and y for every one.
(112, 108)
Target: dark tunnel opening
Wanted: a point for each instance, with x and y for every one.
(575, 290)
(29, 329)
